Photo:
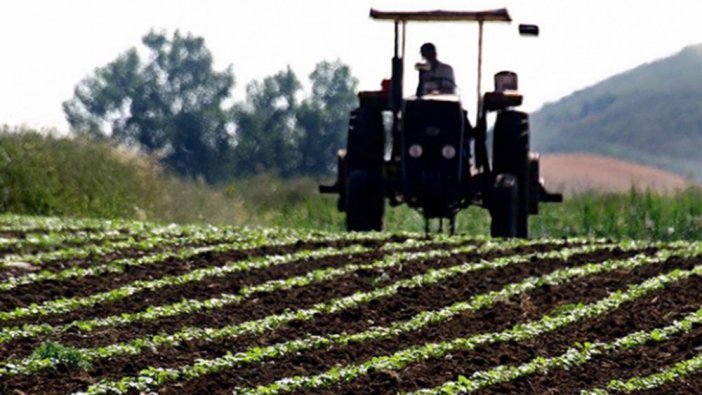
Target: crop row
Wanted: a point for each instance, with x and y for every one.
(24, 224)
(157, 376)
(331, 306)
(191, 306)
(671, 374)
(586, 351)
(54, 240)
(156, 237)
(226, 242)
(105, 246)
(520, 332)
(64, 305)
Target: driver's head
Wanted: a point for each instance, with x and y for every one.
(428, 51)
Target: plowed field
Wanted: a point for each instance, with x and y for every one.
(119, 307)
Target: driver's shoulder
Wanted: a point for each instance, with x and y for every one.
(443, 67)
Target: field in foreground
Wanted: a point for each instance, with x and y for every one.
(124, 307)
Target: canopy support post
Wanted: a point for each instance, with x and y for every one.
(480, 69)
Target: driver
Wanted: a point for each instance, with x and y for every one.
(434, 76)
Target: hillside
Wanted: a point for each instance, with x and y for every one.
(651, 114)
(579, 172)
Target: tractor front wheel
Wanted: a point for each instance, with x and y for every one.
(365, 204)
(504, 208)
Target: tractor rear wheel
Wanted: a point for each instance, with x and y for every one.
(366, 140)
(365, 204)
(511, 156)
(504, 207)
(364, 199)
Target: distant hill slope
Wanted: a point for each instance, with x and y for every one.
(578, 172)
(651, 114)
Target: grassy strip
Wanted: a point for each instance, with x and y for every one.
(672, 374)
(152, 377)
(580, 354)
(329, 307)
(404, 358)
(191, 306)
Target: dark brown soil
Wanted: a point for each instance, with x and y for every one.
(76, 287)
(501, 317)
(639, 361)
(277, 302)
(498, 318)
(383, 312)
(644, 313)
(691, 384)
(654, 310)
(208, 288)
(94, 258)
(254, 308)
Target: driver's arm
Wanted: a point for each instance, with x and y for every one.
(420, 84)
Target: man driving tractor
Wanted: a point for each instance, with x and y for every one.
(434, 76)
(439, 164)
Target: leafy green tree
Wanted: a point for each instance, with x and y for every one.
(266, 133)
(276, 132)
(323, 118)
(171, 103)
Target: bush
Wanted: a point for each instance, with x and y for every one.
(44, 174)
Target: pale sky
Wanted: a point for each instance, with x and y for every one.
(48, 46)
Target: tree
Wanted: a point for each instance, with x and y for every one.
(276, 132)
(266, 133)
(171, 104)
(323, 118)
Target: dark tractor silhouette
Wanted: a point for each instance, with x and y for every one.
(438, 162)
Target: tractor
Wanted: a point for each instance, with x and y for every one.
(437, 162)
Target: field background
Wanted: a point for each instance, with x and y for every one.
(42, 174)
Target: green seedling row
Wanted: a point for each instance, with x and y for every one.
(583, 352)
(328, 307)
(25, 223)
(668, 375)
(416, 354)
(229, 242)
(157, 376)
(578, 355)
(168, 236)
(192, 306)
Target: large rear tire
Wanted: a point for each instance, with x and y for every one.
(504, 207)
(365, 204)
(511, 156)
(364, 198)
(366, 140)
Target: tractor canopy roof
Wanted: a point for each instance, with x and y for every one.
(499, 15)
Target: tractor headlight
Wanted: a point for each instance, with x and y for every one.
(448, 152)
(415, 150)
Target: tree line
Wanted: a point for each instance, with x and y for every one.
(172, 103)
